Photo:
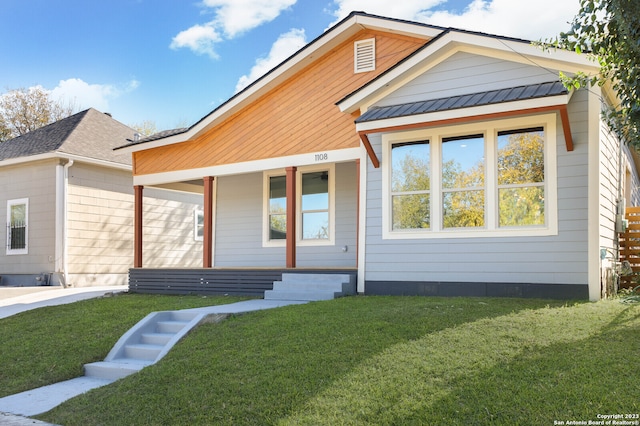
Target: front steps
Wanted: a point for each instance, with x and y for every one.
(143, 345)
(311, 287)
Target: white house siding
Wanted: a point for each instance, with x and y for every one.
(465, 73)
(35, 181)
(169, 235)
(556, 259)
(100, 227)
(239, 225)
(610, 190)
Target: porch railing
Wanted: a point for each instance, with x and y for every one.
(630, 247)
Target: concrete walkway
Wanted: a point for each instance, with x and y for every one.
(40, 400)
(14, 300)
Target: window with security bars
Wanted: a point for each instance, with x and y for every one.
(17, 226)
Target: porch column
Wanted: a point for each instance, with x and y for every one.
(208, 222)
(291, 217)
(357, 211)
(137, 226)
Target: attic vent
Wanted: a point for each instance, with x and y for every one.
(365, 55)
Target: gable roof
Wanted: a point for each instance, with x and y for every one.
(353, 23)
(452, 41)
(439, 43)
(89, 134)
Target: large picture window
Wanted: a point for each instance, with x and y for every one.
(17, 226)
(314, 204)
(489, 179)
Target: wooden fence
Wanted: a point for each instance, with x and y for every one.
(630, 247)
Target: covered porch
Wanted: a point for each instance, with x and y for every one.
(256, 225)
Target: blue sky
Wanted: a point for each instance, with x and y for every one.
(173, 61)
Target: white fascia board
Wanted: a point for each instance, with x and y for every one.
(95, 161)
(299, 160)
(398, 27)
(28, 159)
(63, 156)
(372, 126)
(453, 42)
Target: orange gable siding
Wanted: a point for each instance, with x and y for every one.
(299, 116)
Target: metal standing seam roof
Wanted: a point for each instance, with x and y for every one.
(519, 93)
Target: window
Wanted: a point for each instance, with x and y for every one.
(277, 207)
(315, 206)
(488, 179)
(17, 226)
(364, 55)
(521, 177)
(410, 185)
(314, 203)
(463, 176)
(198, 225)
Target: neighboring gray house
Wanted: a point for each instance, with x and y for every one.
(69, 207)
(426, 160)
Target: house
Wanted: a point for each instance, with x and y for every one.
(69, 207)
(425, 160)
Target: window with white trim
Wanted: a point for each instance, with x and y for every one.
(315, 192)
(277, 208)
(486, 179)
(198, 225)
(17, 226)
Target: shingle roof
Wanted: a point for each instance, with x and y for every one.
(89, 134)
(159, 135)
(518, 93)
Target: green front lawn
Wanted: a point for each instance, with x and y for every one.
(375, 360)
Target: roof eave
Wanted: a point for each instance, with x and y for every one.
(64, 156)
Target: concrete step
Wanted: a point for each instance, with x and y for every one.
(311, 285)
(300, 295)
(185, 316)
(156, 338)
(287, 276)
(170, 326)
(113, 370)
(142, 351)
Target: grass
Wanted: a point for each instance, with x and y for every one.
(51, 344)
(382, 361)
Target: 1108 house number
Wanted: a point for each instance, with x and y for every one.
(321, 157)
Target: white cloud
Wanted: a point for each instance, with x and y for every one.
(83, 95)
(235, 17)
(526, 19)
(232, 18)
(199, 38)
(286, 45)
(531, 20)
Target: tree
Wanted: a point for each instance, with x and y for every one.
(145, 128)
(24, 110)
(609, 30)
